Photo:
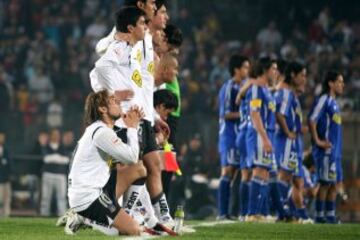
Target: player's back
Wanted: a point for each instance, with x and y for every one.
(227, 127)
(260, 99)
(285, 105)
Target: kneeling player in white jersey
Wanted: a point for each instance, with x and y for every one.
(143, 95)
(91, 183)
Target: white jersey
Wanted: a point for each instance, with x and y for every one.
(90, 168)
(147, 72)
(119, 69)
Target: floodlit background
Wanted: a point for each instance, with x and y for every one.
(47, 51)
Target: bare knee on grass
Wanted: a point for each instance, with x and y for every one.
(126, 224)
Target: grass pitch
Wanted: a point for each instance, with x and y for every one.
(44, 228)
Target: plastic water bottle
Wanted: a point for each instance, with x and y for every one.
(179, 219)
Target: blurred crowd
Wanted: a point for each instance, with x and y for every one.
(47, 50)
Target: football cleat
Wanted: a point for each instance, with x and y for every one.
(305, 221)
(63, 219)
(73, 223)
(164, 230)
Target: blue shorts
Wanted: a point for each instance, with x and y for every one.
(241, 146)
(286, 154)
(255, 151)
(229, 157)
(299, 171)
(326, 168)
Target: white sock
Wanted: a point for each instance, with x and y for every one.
(162, 208)
(131, 197)
(145, 202)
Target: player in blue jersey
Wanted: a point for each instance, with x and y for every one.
(241, 145)
(288, 140)
(276, 202)
(298, 179)
(260, 133)
(228, 124)
(326, 132)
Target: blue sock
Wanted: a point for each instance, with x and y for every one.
(244, 198)
(254, 195)
(276, 199)
(224, 196)
(264, 201)
(330, 211)
(284, 188)
(301, 213)
(292, 208)
(319, 211)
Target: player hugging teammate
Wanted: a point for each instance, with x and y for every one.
(261, 133)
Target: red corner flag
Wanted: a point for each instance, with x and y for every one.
(171, 164)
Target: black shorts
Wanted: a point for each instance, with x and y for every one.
(147, 139)
(106, 205)
(121, 133)
(173, 125)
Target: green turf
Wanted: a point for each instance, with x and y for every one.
(42, 228)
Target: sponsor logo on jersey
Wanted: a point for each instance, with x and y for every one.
(136, 77)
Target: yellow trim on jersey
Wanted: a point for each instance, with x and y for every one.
(255, 103)
(139, 56)
(136, 77)
(109, 162)
(337, 118)
(150, 67)
(299, 113)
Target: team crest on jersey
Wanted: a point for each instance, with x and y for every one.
(337, 118)
(138, 56)
(150, 68)
(272, 106)
(136, 77)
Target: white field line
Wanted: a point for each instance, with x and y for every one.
(202, 224)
